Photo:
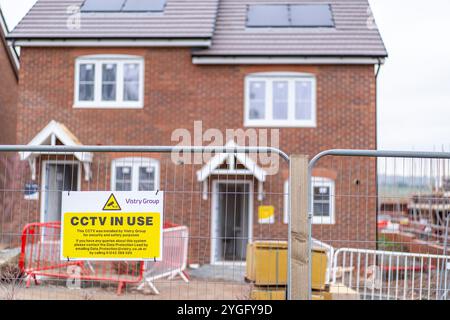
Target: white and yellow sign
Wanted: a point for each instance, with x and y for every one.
(112, 226)
(266, 214)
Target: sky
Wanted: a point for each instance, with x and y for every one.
(414, 83)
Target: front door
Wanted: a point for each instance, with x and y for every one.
(231, 222)
(59, 177)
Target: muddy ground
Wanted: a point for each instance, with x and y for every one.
(169, 290)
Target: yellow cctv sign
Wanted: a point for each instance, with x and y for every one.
(266, 214)
(128, 227)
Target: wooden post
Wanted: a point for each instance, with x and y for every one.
(299, 262)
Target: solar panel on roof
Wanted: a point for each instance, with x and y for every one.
(102, 5)
(268, 16)
(144, 5)
(123, 6)
(290, 15)
(314, 15)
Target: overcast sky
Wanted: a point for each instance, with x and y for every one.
(414, 84)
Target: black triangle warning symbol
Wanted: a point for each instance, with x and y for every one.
(112, 204)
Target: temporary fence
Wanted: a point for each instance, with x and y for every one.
(391, 275)
(226, 197)
(386, 215)
(174, 263)
(40, 257)
(231, 202)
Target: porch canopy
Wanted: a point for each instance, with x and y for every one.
(234, 164)
(54, 134)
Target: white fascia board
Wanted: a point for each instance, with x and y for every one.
(12, 50)
(111, 43)
(286, 60)
(256, 170)
(3, 25)
(212, 165)
(215, 162)
(15, 56)
(54, 128)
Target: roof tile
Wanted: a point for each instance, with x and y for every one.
(49, 19)
(353, 35)
(223, 21)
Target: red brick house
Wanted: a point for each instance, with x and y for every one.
(9, 80)
(124, 72)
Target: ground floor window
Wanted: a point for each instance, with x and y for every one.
(323, 199)
(135, 174)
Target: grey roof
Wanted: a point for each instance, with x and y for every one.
(181, 19)
(351, 36)
(223, 21)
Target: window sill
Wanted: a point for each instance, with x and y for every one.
(323, 221)
(277, 124)
(96, 106)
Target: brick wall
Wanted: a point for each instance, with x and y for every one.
(177, 93)
(8, 96)
(181, 92)
(8, 121)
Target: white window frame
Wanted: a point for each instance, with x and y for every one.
(135, 164)
(316, 182)
(269, 78)
(324, 182)
(119, 103)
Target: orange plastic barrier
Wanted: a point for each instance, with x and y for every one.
(40, 257)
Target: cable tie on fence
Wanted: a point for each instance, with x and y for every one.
(154, 259)
(68, 259)
(157, 191)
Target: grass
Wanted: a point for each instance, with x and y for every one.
(11, 281)
(386, 245)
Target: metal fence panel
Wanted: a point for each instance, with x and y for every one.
(391, 275)
(213, 210)
(386, 216)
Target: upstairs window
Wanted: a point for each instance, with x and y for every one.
(135, 174)
(109, 82)
(280, 100)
